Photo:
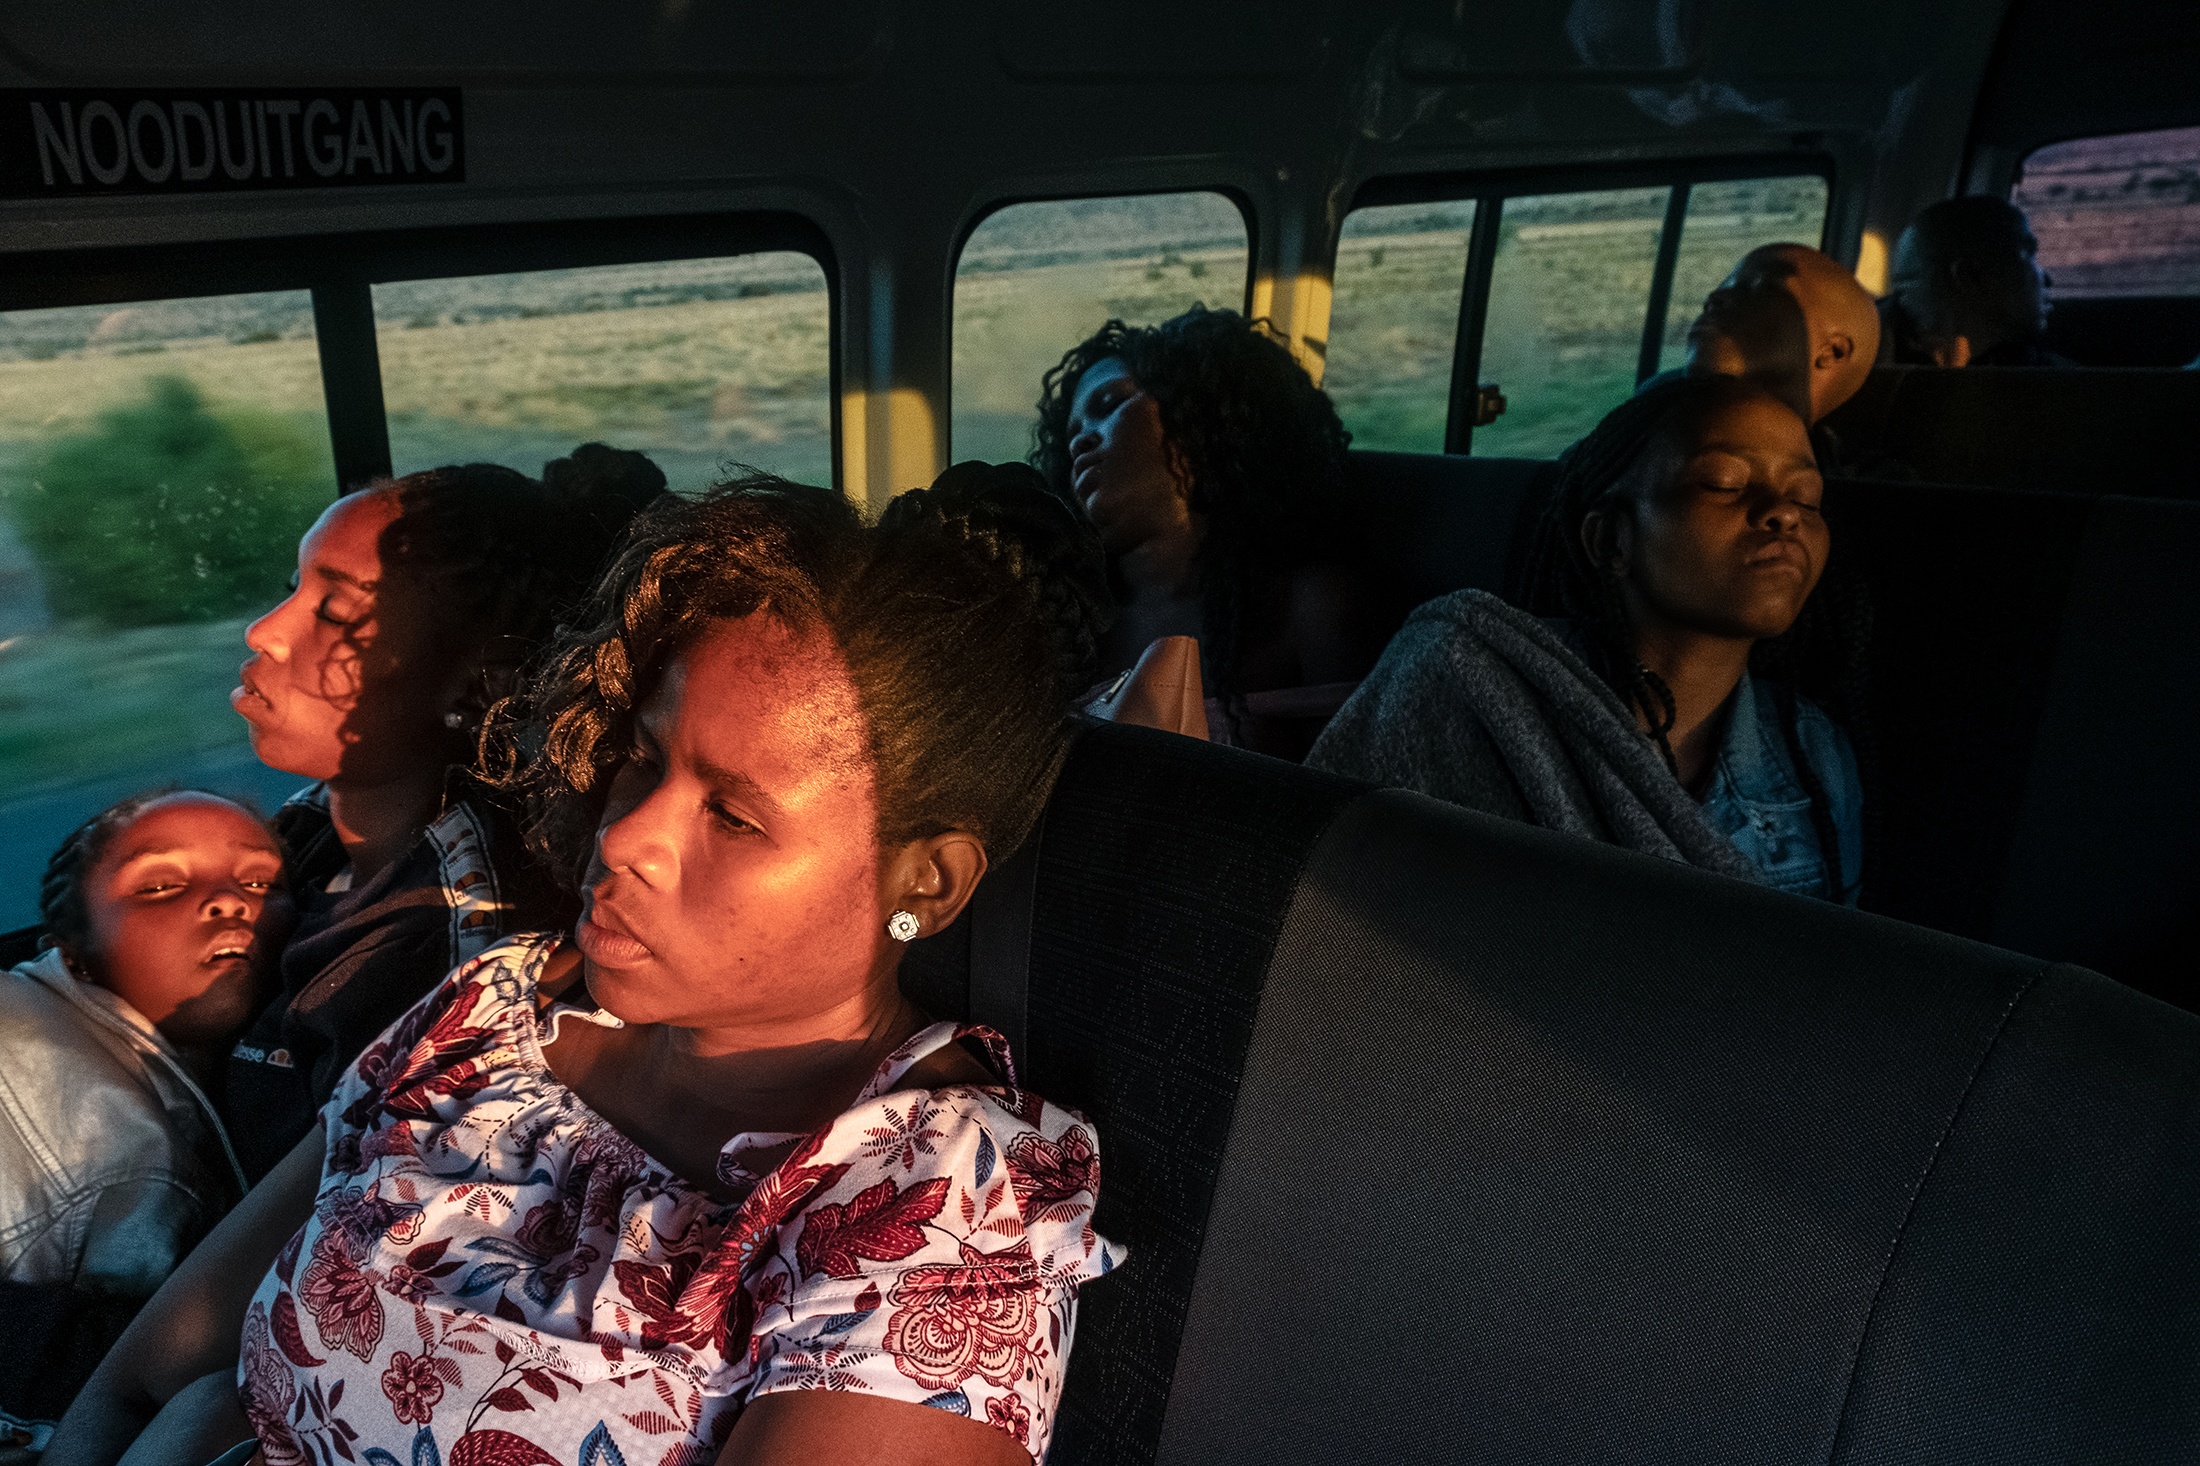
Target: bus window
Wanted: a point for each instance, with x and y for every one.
(1393, 322)
(1723, 222)
(698, 363)
(1035, 279)
(1568, 293)
(158, 462)
(2117, 215)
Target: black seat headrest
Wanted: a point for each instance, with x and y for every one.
(1431, 1135)
(2080, 429)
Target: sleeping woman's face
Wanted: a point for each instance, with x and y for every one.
(352, 673)
(737, 881)
(1723, 531)
(1124, 473)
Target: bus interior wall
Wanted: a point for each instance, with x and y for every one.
(1740, 1174)
(884, 154)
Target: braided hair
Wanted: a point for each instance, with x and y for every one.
(1557, 577)
(1006, 598)
(1263, 445)
(1004, 515)
(63, 908)
(968, 617)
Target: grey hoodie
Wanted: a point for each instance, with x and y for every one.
(1485, 706)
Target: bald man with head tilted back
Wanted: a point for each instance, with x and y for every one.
(1793, 319)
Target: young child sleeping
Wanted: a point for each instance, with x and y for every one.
(163, 915)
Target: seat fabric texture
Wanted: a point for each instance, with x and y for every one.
(1166, 866)
(2044, 1303)
(1434, 1136)
(2105, 867)
(1545, 1152)
(2034, 686)
(1967, 589)
(1435, 523)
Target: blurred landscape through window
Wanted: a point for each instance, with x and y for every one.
(158, 462)
(698, 363)
(2117, 215)
(1569, 298)
(1035, 279)
(1393, 321)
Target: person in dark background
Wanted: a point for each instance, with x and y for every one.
(1968, 289)
(1212, 467)
(1659, 706)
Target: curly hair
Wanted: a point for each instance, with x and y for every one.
(968, 617)
(1263, 444)
(62, 907)
(1824, 649)
(505, 555)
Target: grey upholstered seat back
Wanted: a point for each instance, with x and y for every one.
(1165, 872)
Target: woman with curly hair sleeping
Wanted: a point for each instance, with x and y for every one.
(1212, 467)
(697, 1183)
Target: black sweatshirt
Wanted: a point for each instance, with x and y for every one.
(360, 957)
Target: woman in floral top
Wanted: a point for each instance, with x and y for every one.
(697, 1184)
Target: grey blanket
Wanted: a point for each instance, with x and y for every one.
(1483, 705)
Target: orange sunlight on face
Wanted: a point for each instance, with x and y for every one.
(350, 674)
(737, 880)
(188, 915)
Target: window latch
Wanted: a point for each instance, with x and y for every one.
(1489, 404)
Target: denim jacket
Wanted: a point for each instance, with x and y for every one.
(112, 1163)
(1757, 801)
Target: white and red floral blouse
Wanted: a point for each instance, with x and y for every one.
(494, 1276)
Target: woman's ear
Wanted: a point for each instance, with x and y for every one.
(1957, 353)
(932, 879)
(1608, 540)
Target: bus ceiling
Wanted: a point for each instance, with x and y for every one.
(925, 118)
(2066, 70)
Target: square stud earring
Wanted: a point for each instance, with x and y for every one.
(903, 926)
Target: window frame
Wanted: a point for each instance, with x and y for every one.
(2015, 181)
(1488, 190)
(1236, 197)
(340, 271)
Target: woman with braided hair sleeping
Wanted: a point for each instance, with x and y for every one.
(1660, 708)
(415, 602)
(696, 1182)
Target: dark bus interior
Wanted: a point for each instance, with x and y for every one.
(1432, 1137)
